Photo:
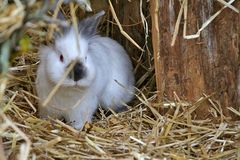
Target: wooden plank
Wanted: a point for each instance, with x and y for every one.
(208, 64)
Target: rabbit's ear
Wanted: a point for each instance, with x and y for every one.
(88, 26)
(64, 28)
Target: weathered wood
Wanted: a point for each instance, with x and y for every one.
(129, 17)
(208, 64)
(128, 14)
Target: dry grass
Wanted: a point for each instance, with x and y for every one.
(139, 133)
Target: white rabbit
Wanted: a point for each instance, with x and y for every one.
(102, 75)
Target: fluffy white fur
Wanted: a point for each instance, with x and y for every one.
(109, 79)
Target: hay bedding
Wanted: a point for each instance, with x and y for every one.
(139, 133)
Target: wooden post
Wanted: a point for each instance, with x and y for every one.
(208, 64)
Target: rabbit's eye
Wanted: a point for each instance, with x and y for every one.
(61, 58)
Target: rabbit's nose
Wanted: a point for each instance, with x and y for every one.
(78, 72)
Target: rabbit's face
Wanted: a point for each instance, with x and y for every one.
(68, 49)
(63, 53)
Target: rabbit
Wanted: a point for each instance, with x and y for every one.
(102, 75)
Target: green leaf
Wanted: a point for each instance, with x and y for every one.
(25, 44)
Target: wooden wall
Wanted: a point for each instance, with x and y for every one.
(208, 64)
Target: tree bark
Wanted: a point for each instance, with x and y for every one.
(208, 64)
(128, 13)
